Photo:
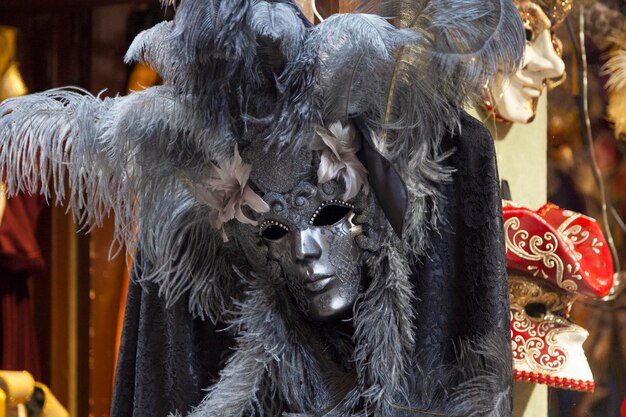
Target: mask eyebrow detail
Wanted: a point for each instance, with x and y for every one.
(329, 203)
(272, 230)
(534, 18)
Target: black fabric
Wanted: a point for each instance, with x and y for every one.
(384, 180)
(461, 282)
(167, 358)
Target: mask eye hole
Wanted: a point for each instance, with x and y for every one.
(529, 35)
(330, 213)
(536, 310)
(273, 230)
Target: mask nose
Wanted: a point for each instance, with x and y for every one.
(307, 246)
(542, 57)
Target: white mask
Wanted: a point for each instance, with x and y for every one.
(547, 346)
(514, 98)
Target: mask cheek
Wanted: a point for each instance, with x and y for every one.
(262, 256)
(250, 244)
(280, 253)
(345, 257)
(550, 351)
(572, 339)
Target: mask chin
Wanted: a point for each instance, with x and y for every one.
(336, 304)
(516, 109)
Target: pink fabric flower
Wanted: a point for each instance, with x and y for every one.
(339, 146)
(226, 191)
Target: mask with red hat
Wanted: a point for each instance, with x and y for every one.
(553, 256)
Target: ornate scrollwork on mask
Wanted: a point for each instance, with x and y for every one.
(535, 343)
(547, 346)
(540, 249)
(576, 235)
(522, 292)
(560, 247)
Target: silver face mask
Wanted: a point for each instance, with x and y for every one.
(312, 236)
(322, 263)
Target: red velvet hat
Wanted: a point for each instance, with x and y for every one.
(565, 248)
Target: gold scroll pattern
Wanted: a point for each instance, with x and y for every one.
(535, 343)
(534, 339)
(543, 249)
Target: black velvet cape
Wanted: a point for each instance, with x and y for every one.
(463, 349)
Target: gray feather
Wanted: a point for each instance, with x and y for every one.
(353, 51)
(130, 156)
(48, 136)
(479, 388)
(155, 47)
(281, 23)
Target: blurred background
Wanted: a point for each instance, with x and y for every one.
(572, 159)
(62, 298)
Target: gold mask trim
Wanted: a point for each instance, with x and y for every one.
(554, 11)
(524, 290)
(557, 10)
(534, 18)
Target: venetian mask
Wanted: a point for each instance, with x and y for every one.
(553, 256)
(312, 235)
(514, 98)
(547, 345)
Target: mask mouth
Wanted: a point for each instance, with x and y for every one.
(318, 283)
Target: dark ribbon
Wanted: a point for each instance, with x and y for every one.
(384, 180)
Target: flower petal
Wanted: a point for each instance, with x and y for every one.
(254, 201)
(329, 167)
(244, 219)
(355, 176)
(317, 143)
(329, 139)
(239, 170)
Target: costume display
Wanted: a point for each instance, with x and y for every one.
(315, 190)
(20, 255)
(554, 255)
(513, 98)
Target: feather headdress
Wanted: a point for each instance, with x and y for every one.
(258, 69)
(255, 74)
